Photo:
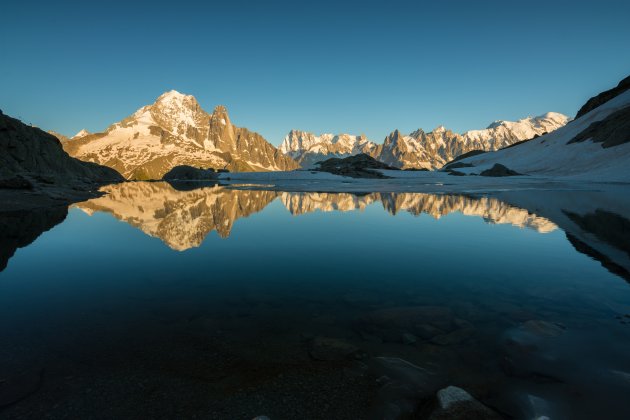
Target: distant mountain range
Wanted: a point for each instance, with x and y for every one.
(174, 131)
(418, 149)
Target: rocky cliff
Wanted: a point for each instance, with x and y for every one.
(31, 158)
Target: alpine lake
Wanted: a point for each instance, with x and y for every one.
(231, 302)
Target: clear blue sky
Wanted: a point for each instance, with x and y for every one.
(358, 67)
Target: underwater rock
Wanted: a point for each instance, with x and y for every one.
(456, 403)
(333, 349)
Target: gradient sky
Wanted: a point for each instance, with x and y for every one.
(358, 67)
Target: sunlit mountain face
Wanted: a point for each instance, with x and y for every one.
(182, 218)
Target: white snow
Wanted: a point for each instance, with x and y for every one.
(82, 133)
(551, 156)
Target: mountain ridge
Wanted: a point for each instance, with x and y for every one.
(419, 149)
(173, 131)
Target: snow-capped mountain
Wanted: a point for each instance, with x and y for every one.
(82, 133)
(173, 131)
(419, 149)
(595, 147)
(442, 145)
(307, 148)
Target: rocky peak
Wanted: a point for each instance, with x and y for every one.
(439, 129)
(172, 110)
(418, 134)
(393, 138)
(220, 116)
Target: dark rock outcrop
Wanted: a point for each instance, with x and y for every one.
(604, 97)
(613, 130)
(457, 165)
(499, 170)
(30, 155)
(188, 173)
(358, 166)
(454, 172)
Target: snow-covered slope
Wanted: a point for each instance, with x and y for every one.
(173, 131)
(553, 155)
(419, 149)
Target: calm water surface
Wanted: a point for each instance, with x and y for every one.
(157, 302)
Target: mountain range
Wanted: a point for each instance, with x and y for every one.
(418, 149)
(174, 131)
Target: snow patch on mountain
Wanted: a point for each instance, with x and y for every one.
(82, 133)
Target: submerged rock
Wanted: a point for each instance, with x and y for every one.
(531, 351)
(405, 387)
(456, 403)
(421, 321)
(543, 328)
(333, 349)
(454, 337)
(409, 338)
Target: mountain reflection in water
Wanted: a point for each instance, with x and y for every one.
(182, 219)
(300, 317)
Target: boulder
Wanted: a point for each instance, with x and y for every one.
(333, 349)
(455, 403)
(405, 388)
(391, 324)
(357, 166)
(189, 173)
(499, 170)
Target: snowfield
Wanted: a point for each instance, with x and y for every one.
(551, 156)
